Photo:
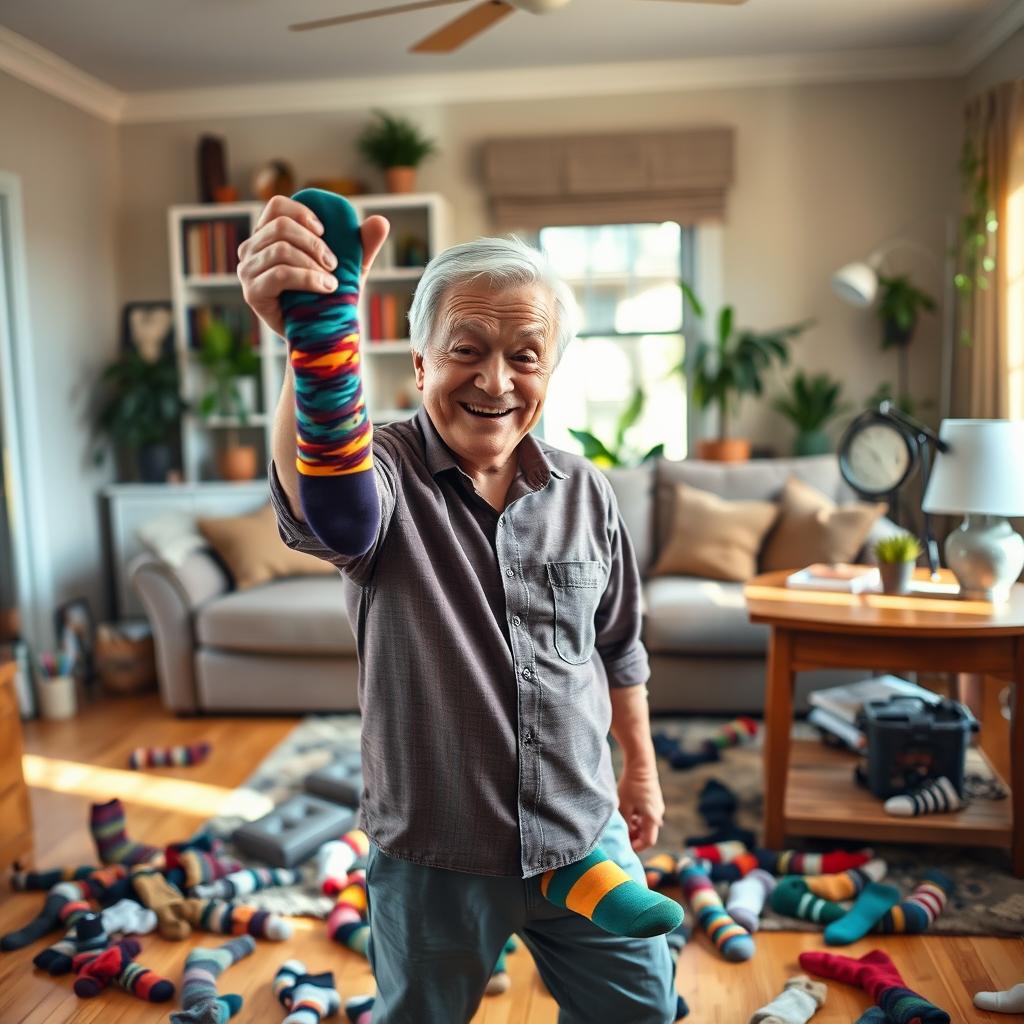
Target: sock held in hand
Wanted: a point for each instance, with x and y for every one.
(872, 905)
(1010, 1001)
(598, 889)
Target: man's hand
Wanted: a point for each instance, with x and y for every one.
(285, 253)
(642, 805)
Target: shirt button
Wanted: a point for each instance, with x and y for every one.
(510, 572)
(527, 673)
(516, 620)
(501, 521)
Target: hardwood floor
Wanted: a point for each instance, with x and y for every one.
(70, 764)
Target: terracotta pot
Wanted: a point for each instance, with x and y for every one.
(238, 462)
(728, 449)
(401, 179)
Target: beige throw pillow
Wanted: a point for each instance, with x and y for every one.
(812, 528)
(714, 538)
(251, 548)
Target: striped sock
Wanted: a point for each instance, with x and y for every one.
(661, 870)
(199, 999)
(96, 969)
(226, 918)
(308, 997)
(334, 860)
(107, 824)
(598, 889)
(245, 881)
(936, 796)
(732, 940)
(359, 1009)
(200, 867)
(347, 922)
(146, 984)
(165, 757)
(917, 913)
(845, 885)
(796, 862)
(717, 853)
(873, 1015)
(44, 881)
(56, 959)
(747, 897)
(732, 734)
(792, 898)
(47, 920)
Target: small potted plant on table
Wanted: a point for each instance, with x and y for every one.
(897, 556)
(397, 147)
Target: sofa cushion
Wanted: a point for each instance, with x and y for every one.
(689, 615)
(634, 492)
(295, 616)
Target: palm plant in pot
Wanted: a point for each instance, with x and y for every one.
(231, 363)
(722, 371)
(812, 402)
(618, 453)
(397, 147)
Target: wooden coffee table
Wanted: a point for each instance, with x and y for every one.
(809, 788)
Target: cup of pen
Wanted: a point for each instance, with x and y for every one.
(57, 698)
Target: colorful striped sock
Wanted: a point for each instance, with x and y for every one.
(47, 920)
(845, 885)
(96, 969)
(873, 1015)
(227, 918)
(796, 862)
(661, 870)
(598, 889)
(199, 999)
(717, 853)
(732, 734)
(499, 982)
(308, 997)
(874, 902)
(347, 923)
(359, 1009)
(732, 871)
(146, 984)
(107, 824)
(792, 898)
(200, 867)
(917, 913)
(733, 941)
(44, 881)
(334, 860)
(246, 881)
(168, 757)
(682, 760)
(747, 897)
(56, 959)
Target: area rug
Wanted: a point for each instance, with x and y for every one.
(988, 899)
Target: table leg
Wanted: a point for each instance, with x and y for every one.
(778, 721)
(1017, 762)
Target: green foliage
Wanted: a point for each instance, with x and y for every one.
(976, 241)
(812, 401)
(139, 403)
(394, 142)
(618, 454)
(733, 365)
(226, 357)
(899, 307)
(900, 547)
(904, 402)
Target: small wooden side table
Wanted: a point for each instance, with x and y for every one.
(809, 789)
(16, 830)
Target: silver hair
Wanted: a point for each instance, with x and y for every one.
(506, 263)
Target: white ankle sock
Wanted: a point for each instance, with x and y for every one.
(747, 897)
(1010, 1001)
(934, 797)
(797, 1004)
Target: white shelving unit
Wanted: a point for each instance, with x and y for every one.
(420, 224)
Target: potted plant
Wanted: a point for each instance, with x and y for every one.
(812, 403)
(721, 372)
(139, 411)
(618, 454)
(899, 308)
(897, 556)
(397, 147)
(231, 364)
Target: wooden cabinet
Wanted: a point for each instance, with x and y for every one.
(16, 833)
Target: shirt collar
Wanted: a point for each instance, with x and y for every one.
(533, 463)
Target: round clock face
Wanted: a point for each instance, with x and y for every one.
(876, 458)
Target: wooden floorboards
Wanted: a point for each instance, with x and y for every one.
(72, 763)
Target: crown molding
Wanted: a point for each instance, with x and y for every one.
(23, 59)
(978, 42)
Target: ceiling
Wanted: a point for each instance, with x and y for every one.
(145, 45)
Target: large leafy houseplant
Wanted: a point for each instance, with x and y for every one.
(618, 453)
(810, 405)
(722, 371)
(397, 147)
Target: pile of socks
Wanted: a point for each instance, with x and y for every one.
(732, 734)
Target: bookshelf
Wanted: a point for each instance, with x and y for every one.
(203, 242)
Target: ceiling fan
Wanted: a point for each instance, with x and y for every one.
(462, 29)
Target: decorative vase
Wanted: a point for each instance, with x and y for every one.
(238, 462)
(812, 442)
(401, 179)
(725, 449)
(896, 576)
(153, 462)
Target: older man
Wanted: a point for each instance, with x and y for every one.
(496, 607)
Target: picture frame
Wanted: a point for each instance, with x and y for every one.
(75, 629)
(148, 329)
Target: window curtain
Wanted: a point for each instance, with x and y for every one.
(537, 182)
(989, 370)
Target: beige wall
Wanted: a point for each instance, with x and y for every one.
(67, 164)
(1002, 64)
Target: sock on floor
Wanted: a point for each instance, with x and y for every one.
(717, 804)
(873, 903)
(661, 870)
(797, 862)
(733, 941)
(164, 757)
(747, 898)
(308, 997)
(917, 913)
(877, 975)
(873, 1015)
(845, 885)
(1009, 1001)
(56, 959)
(107, 824)
(227, 918)
(798, 1002)
(165, 900)
(129, 917)
(346, 923)
(717, 853)
(598, 889)
(669, 748)
(96, 969)
(334, 860)
(43, 881)
(146, 984)
(499, 982)
(199, 999)
(244, 882)
(47, 920)
(359, 1009)
(936, 796)
(200, 867)
(792, 898)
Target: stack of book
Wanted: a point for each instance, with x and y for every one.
(211, 246)
(851, 579)
(834, 711)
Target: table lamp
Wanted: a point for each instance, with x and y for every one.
(981, 476)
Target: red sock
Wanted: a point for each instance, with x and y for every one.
(97, 970)
(873, 972)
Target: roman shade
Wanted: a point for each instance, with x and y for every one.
(612, 178)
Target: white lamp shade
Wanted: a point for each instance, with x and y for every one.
(983, 471)
(856, 283)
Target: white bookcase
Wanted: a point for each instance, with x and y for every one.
(419, 229)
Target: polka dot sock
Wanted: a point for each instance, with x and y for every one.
(747, 898)
(200, 1001)
(733, 941)
(107, 824)
(936, 796)
(799, 1001)
(873, 903)
(601, 891)
(792, 898)
(1010, 1001)
(164, 757)
(308, 997)
(917, 913)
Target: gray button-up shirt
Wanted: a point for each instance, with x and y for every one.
(487, 642)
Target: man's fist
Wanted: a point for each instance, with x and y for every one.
(286, 253)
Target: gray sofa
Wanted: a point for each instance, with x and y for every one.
(287, 646)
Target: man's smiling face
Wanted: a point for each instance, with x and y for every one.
(485, 372)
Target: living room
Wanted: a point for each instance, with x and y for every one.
(791, 242)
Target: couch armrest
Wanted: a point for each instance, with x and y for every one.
(882, 528)
(171, 597)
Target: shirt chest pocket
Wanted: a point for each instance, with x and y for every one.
(576, 589)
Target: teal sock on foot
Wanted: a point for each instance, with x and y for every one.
(873, 903)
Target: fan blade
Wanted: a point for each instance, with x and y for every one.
(458, 32)
(341, 19)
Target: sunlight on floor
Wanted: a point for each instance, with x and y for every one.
(99, 783)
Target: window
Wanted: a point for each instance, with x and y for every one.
(626, 281)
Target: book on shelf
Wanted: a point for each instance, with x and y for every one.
(839, 576)
(211, 246)
(832, 724)
(845, 702)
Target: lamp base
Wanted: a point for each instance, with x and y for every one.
(986, 555)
